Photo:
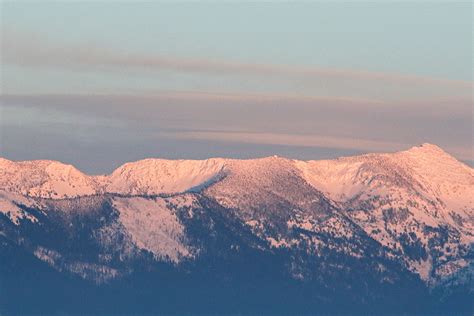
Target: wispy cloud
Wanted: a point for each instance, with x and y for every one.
(38, 51)
(317, 141)
(291, 140)
(343, 123)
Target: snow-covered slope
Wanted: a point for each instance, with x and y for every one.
(55, 180)
(418, 202)
(425, 179)
(156, 176)
(45, 179)
(426, 168)
(9, 206)
(153, 226)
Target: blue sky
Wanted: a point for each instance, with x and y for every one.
(315, 80)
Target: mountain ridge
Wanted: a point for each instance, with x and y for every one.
(135, 177)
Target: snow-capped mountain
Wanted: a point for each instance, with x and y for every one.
(158, 176)
(406, 201)
(45, 179)
(367, 227)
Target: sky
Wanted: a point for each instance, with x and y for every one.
(100, 83)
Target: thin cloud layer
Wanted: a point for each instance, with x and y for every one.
(230, 120)
(33, 50)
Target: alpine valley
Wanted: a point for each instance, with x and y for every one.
(370, 234)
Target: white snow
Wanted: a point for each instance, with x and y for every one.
(431, 171)
(281, 243)
(55, 180)
(423, 268)
(45, 179)
(47, 255)
(428, 168)
(434, 186)
(156, 176)
(153, 226)
(9, 206)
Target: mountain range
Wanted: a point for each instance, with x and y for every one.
(387, 233)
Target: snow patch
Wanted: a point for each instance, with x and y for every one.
(154, 227)
(9, 206)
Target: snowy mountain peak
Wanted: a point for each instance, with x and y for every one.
(155, 176)
(45, 179)
(427, 149)
(424, 172)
